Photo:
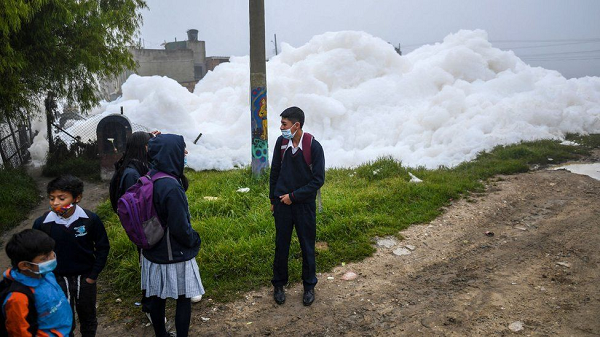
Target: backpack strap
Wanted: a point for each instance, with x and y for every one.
(11, 286)
(307, 139)
(154, 177)
(306, 148)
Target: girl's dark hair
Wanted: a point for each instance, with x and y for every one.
(66, 183)
(27, 245)
(135, 154)
(184, 182)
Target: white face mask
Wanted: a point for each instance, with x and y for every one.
(287, 133)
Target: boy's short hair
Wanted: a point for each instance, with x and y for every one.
(66, 183)
(294, 114)
(27, 245)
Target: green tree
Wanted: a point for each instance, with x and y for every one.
(62, 47)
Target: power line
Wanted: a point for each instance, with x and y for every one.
(554, 45)
(564, 53)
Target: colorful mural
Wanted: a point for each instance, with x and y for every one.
(260, 136)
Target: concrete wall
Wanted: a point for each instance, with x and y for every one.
(213, 61)
(175, 64)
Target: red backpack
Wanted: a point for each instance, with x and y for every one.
(307, 139)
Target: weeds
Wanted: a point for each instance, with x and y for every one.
(18, 195)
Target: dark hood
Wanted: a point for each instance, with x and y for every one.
(166, 153)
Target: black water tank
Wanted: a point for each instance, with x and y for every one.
(192, 35)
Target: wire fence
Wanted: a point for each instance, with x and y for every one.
(15, 139)
(74, 129)
(71, 132)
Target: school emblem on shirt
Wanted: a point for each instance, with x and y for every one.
(80, 231)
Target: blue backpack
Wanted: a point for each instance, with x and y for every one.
(138, 215)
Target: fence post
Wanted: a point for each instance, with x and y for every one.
(50, 106)
(17, 147)
(3, 155)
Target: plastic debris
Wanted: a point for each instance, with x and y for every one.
(516, 326)
(137, 304)
(118, 300)
(401, 251)
(205, 319)
(330, 277)
(349, 276)
(212, 198)
(414, 179)
(243, 190)
(387, 242)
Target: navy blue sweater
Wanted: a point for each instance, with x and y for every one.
(129, 178)
(167, 155)
(79, 251)
(293, 176)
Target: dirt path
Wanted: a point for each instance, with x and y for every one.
(540, 268)
(93, 194)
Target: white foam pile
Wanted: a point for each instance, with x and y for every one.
(438, 105)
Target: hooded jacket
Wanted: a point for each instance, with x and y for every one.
(166, 154)
(54, 315)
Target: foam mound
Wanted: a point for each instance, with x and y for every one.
(438, 105)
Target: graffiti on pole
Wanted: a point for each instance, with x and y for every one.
(260, 141)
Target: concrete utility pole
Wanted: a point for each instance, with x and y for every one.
(258, 89)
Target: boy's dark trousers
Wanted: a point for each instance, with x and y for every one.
(303, 217)
(82, 297)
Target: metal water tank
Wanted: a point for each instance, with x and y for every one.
(192, 35)
(112, 132)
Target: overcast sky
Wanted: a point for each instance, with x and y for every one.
(557, 34)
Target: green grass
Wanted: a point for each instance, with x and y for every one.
(84, 168)
(237, 229)
(18, 195)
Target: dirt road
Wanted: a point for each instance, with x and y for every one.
(539, 270)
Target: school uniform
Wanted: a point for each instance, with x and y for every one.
(290, 174)
(169, 269)
(82, 248)
(52, 316)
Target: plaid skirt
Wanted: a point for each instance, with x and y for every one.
(171, 280)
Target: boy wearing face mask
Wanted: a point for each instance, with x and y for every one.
(294, 183)
(81, 248)
(33, 304)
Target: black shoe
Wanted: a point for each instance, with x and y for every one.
(279, 295)
(309, 297)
